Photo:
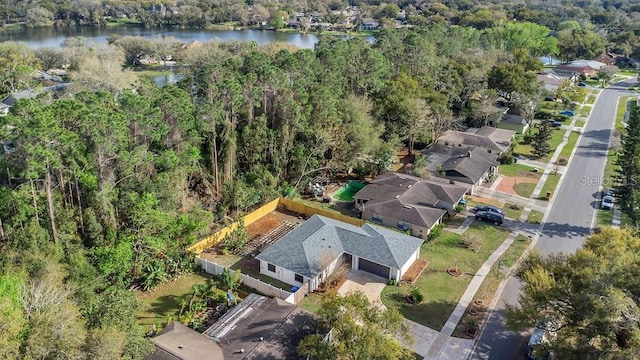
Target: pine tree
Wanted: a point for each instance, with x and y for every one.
(627, 193)
(540, 141)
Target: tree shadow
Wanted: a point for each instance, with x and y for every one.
(497, 342)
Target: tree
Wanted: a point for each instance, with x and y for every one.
(540, 140)
(360, 330)
(588, 299)
(38, 16)
(628, 192)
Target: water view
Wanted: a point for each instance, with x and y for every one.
(53, 37)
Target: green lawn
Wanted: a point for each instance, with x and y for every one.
(569, 146)
(487, 290)
(580, 123)
(591, 99)
(535, 217)
(520, 244)
(604, 217)
(585, 111)
(441, 290)
(311, 302)
(516, 170)
(526, 149)
(524, 189)
(513, 211)
(550, 185)
(166, 300)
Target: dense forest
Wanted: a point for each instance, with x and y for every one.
(107, 183)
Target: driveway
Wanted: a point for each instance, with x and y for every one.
(369, 284)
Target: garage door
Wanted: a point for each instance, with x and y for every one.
(371, 267)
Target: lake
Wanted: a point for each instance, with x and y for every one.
(53, 37)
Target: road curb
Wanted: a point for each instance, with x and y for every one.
(534, 240)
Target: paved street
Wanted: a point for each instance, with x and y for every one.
(569, 220)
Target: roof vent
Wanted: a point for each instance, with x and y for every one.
(397, 196)
(409, 186)
(406, 206)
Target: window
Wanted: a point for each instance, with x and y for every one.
(376, 218)
(446, 143)
(298, 278)
(402, 225)
(271, 267)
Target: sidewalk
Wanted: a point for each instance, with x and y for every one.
(445, 347)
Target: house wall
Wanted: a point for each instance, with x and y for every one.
(408, 264)
(417, 231)
(284, 275)
(287, 276)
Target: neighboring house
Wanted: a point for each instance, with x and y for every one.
(369, 25)
(585, 67)
(513, 122)
(159, 9)
(258, 327)
(606, 59)
(314, 249)
(178, 342)
(493, 140)
(466, 166)
(550, 81)
(407, 202)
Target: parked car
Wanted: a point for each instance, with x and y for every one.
(566, 112)
(607, 202)
(490, 208)
(582, 84)
(538, 345)
(554, 123)
(490, 216)
(607, 192)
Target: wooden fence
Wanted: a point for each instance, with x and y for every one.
(249, 219)
(310, 211)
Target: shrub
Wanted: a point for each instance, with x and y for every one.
(458, 208)
(506, 158)
(562, 161)
(417, 295)
(392, 282)
(435, 232)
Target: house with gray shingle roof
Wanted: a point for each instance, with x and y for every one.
(493, 140)
(406, 202)
(464, 166)
(314, 249)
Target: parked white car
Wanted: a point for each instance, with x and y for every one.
(607, 202)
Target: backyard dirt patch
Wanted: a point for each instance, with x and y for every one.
(507, 183)
(271, 221)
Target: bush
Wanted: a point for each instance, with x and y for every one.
(417, 295)
(458, 209)
(435, 232)
(562, 161)
(392, 282)
(506, 158)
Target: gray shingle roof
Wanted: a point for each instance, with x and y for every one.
(311, 246)
(423, 216)
(471, 168)
(410, 190)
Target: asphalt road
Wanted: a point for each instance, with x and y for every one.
(569, 220)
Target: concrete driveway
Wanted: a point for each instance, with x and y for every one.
(370, 285)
